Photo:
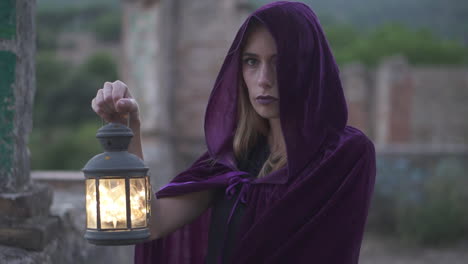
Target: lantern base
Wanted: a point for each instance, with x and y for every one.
(114, 238)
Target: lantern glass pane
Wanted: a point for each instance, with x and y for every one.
(138, 202)
(112, 203)
(91, 209)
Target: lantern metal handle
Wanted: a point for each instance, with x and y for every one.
(124, 115)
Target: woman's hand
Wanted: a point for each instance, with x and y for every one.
(114, 101)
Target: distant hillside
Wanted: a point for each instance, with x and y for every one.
(60, 4)
(447, 18)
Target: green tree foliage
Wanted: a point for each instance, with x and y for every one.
(51, 76)
(63, 118)
(419, 47)
(62, 114)
(100, 18)
(106, 28)
(68, 89)
(447, 19)
(64, 148)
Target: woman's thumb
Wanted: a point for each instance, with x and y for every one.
(126, 105)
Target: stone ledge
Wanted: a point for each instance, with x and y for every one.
(33, 233)
(70, 180)
(58, 176)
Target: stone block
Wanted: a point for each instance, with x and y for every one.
(34, 202)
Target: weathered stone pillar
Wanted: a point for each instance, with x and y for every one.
(205, 32)
(355, 79)
(394, 93)
(24, 206)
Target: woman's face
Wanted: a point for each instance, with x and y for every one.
(259, 72)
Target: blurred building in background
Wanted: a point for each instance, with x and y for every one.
(407, 107)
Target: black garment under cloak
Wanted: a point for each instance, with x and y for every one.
(220, 229)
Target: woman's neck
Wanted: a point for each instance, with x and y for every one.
(275, 136)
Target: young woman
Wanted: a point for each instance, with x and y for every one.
(283, 180)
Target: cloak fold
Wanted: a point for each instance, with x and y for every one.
(313, 210)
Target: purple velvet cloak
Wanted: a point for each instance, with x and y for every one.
(312, 211)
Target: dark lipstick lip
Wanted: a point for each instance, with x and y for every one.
(266, 97)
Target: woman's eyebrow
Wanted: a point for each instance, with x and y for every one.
(249, 54)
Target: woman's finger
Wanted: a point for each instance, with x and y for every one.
(118, 92)
(93, 105)
(127, 105)
(99, 110)
(127, 93)
(107, 96)
(101, 103)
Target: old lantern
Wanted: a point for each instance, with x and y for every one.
(117, 191)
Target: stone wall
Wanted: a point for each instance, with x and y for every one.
(402, 104)
(440, 105)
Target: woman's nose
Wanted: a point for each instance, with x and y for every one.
(265, 76)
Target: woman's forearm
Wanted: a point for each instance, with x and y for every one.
(135, 144)
(170, 213)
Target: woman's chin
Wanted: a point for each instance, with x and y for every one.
(268, 114)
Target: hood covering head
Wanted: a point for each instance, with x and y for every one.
(312, 104)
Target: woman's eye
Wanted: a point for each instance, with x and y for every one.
(250, 61)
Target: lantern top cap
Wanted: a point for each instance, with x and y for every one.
(114, 130)
(114, 137)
